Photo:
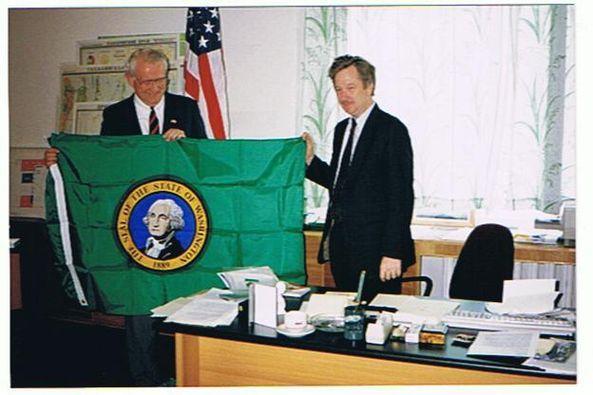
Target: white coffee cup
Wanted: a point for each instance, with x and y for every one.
(295, 319)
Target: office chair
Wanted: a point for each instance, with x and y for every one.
(423, 279)
(485, 261)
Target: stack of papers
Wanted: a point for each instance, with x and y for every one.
(208, 309)
(237, 281)
(171, 307)
(415, 310)
(296, 291)
(526, 297)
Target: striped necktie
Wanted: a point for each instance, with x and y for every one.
(153, 122)
(345, 162)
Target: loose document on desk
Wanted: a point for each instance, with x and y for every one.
(169, 308)
(508, 344)
(330, 303)
(414, 309)
(238, 280)
(207, 310)
(526, 296)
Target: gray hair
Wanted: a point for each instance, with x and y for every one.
(175, 213)
(148, 55)
(366, 71)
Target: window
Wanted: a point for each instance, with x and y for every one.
(487, 94)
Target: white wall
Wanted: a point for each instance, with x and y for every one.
(261, 48)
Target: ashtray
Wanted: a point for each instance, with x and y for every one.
(328, 323)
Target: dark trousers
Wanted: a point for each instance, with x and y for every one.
(141, 343)
(347, 263)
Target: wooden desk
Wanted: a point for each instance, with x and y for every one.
(320, 275)
(209, 361)
(253, 355)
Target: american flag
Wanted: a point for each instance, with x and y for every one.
(204, 74)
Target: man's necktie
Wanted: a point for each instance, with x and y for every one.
(334, 203)
(153, 122)
(345, 163)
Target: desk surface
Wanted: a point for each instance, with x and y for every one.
(321, 344)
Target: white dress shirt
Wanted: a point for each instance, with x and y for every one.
(360, 122)
(143, 113)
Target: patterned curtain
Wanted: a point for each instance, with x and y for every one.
(325, 38)
(487, 93)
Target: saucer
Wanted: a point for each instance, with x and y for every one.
(283, 330)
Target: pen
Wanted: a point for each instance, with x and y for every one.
(360, 285)
(381, 308)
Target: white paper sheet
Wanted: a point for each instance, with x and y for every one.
(527, 287)
(506, 343)
(171, 307)
(206, 310)
(532, 304)
(296, 291)
(529, 296)
(415, 310)
(331, 304)
(264, 302)
(238, 280)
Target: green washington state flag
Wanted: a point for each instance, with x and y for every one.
(137, 221)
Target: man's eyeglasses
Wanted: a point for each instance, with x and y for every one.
(150, 83)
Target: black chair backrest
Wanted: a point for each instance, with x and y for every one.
(424, 279)
(485, 261)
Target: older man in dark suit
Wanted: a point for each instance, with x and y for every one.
(369, 180)
(150, 110)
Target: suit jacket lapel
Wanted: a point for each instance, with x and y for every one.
(133, 116)
(340, 132)
(171, 116)
(167, 113)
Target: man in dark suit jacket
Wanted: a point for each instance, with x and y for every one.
(150, 110)
(121, 119)
(176, 116)
(369, 179)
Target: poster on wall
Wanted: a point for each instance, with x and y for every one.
(111, 50)
(88, 117)
(27, 182)
(82, 84)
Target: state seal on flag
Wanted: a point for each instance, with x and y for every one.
(162, 224)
